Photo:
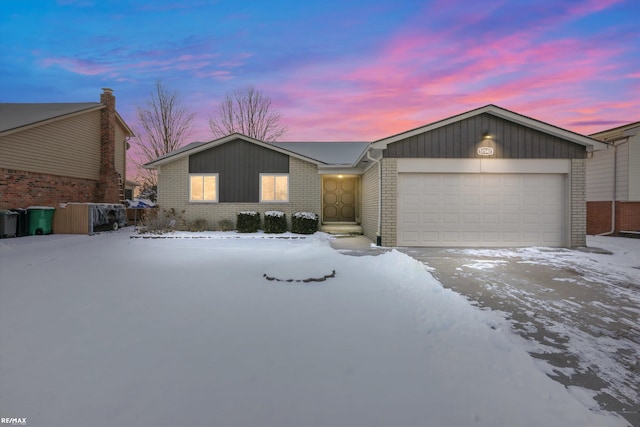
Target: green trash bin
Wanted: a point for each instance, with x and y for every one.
(40, 219)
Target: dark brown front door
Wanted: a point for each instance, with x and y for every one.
(339, 199)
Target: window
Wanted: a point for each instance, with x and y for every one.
(274, 187)
(203, 188)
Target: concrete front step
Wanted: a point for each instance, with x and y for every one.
(341, 228)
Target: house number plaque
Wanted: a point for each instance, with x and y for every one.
(485, 151)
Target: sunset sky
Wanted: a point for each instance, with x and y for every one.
(337, 70)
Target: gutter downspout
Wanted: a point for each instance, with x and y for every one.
(378, 232)
(615, 188)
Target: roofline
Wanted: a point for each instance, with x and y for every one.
(124, 124)
(67, 116)
(623, 130)
(51, 120)
(590, 143)
(216, 142)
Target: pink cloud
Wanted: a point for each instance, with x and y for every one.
(406, 85)
(421, 75)
(587, 7)
(77, 66)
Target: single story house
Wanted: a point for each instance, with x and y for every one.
(486, 178)
(52, 153)
(613, 204)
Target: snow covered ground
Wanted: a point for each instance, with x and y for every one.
(107, 330)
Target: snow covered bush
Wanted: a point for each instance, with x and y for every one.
(275, 222)
(304, 222)
(248, 221)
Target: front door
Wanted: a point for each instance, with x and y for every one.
(339, 199)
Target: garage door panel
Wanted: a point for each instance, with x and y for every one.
(481, 209)
(451, 200)
(449, 218)
(411, 219)
(430, 219)
(491, 218)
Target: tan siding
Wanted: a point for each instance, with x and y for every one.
(622, 175)
(370, 188)
(68, 147)
(600, 176)
(173, 192)
(634, 169)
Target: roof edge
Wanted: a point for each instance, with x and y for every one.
(52, 119)
(168, 158)
(590, 143)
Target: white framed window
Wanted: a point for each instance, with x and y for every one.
(274, 187)
(203, 187)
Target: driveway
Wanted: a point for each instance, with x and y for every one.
(577, 310)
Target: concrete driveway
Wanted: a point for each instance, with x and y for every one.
(576, 310)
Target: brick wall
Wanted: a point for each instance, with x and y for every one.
(628, 216)
(20, 189)
(578, 217)
(389, 202)
(305, 194)
(599, 217)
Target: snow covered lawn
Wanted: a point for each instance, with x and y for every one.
(106, 330)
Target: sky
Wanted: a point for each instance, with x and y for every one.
(336, 70)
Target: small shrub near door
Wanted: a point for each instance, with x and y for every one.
(304, 222)
(248, 221)
(275, 222)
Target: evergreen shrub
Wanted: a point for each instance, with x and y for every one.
(275, 222)
(248, 221)
(304, 222)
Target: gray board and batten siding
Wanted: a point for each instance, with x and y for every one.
(239, 165)
(461, 140)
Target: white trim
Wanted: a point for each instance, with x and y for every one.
(274, 175)
(590, 143)
(217, 188)
(484, 166)
(340, 171)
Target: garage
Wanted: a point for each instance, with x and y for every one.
(481, 209)
(488, 177)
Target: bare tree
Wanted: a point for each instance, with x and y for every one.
(249, 112)
(164, 124)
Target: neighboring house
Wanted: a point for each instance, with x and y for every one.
(488, 177)
(62, 152)
(613, 205)
(130, 189)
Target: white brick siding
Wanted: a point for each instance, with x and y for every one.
(389, 202)
(578, 217)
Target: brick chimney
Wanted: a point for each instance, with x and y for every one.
(108, 188)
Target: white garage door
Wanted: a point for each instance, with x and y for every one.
(483, 210)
